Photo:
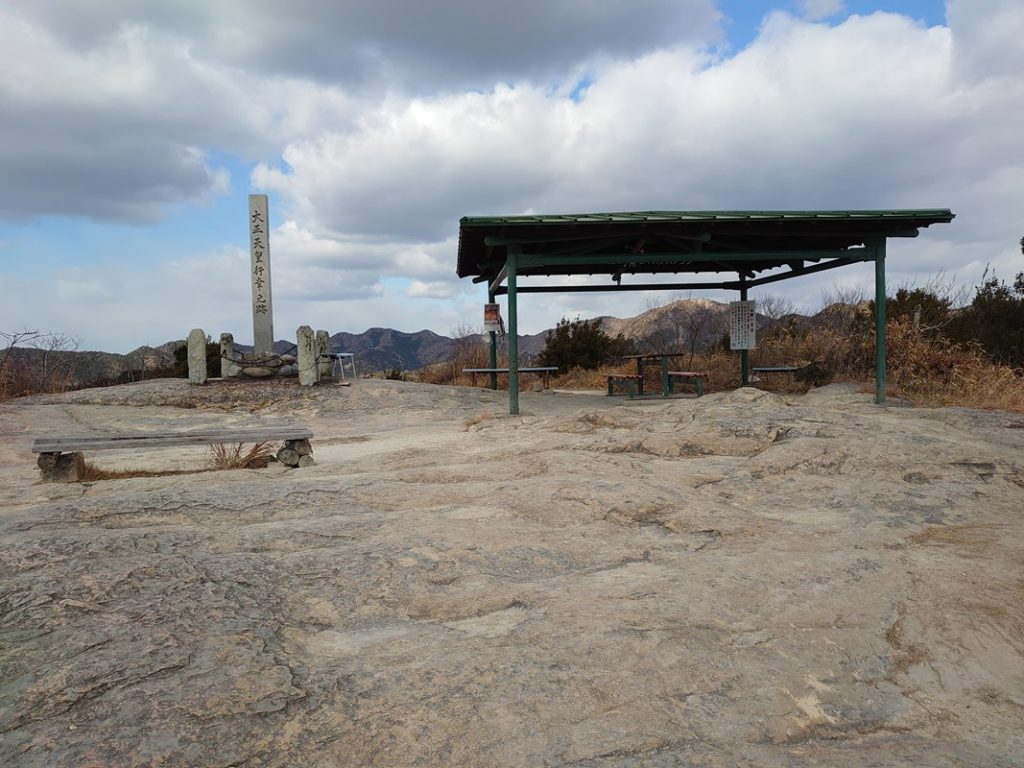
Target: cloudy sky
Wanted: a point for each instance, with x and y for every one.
(131, 132)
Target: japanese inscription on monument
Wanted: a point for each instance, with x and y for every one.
(742, 325)
(259, 272)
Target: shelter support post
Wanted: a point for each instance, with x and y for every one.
(880, 321)
(744, 353)
(492, 347)
(513, 332)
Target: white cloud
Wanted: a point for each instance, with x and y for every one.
(817, 10)
(373, 151)
(120, 130)
(444, 44)
(437, 289)
(870, 113)
(988, 39)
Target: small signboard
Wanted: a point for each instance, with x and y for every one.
(492, 319)
(742, 325)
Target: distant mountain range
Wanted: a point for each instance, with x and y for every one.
(680, 324)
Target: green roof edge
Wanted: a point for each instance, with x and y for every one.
(616, 216)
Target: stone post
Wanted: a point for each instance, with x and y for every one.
(308, 368)
(259, 272)
(323, 346)
(229, 369)
(197, 356)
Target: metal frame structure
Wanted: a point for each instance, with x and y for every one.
(759, 247)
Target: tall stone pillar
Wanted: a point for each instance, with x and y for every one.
(259, 274)
(323, 346)
(308, 368)
(229, 369)
(197, 356)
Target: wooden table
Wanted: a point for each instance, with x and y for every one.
(651, 358)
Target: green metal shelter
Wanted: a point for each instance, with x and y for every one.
(731, 250)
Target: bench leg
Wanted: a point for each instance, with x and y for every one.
(700, 386)
(60, 467)
(610, 387)
(631, 388)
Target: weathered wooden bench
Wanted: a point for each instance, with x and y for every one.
(61, 457)
(773, 369)
(691, 377)
(545, 371)
(633, 382)
(777, 369)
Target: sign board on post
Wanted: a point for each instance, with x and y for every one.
(742, 325)
(259, 272)
(492, 319)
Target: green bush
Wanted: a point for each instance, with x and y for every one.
(582, 344)
(813, 374)
(994, 320)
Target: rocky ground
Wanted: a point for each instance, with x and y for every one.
(739, 580)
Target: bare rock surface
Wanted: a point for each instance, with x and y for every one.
(737, 580)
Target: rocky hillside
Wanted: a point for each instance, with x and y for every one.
(86, 367)
(684, 324)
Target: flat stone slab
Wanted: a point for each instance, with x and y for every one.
(743, 579)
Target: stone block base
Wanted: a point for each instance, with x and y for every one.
(296, 453)
(60, 467)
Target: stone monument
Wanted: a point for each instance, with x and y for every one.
(323, 346)
(308, 368)
(259, 248)
(197, 356)
(228, 367)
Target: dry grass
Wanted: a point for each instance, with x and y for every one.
(467, 352)
(477, 419)
(221, 457)
(89, 473)
(234, 457)
(923, 368)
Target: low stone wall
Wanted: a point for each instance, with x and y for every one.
(311, 365)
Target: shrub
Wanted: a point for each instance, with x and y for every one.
(995, 320)
(581, 344)
(814, 374)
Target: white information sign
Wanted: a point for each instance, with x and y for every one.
(742, 325)
(259, 272)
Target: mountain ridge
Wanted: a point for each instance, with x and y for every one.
(684, 323)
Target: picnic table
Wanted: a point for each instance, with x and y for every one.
(667, 376)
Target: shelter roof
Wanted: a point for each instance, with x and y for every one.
(675, 241)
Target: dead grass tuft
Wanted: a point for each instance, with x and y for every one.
(232, 456)
(477, 419)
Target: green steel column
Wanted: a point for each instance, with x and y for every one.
(880, 321)
(513, 333)
(744, 353)
(492, 352)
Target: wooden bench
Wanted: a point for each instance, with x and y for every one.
(694, 377)
(634, 382)
(545, 371)
(773, 369)
(60, 457)
(777, 369)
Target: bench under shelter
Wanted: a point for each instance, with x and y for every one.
(734, 251)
